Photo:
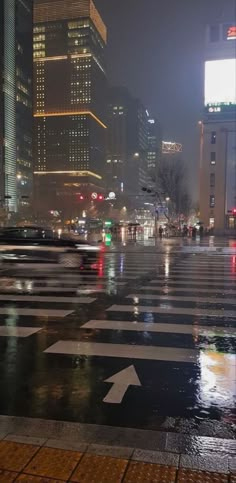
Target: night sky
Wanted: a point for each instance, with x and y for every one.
(156, 49)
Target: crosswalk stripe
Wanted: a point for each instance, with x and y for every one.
(191, 276)
(173, 290)
(45, 298)
(9, 331)
(78, 276)
(124, 351)
(181, 299)
(73, 283)
(159, 327)
(172, 310)
(199, 283)
(54, 289)
(34, 312)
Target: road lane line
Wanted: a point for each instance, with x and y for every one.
(9, 331)
(172, 310)
(194, 330)
(124, 351)
(181, 299)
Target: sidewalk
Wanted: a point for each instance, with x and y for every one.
(37, 452)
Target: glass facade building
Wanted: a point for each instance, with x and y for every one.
(15, 103)
(69, 88)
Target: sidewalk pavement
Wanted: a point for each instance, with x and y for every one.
(39, 460)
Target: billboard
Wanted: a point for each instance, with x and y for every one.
(220, 83)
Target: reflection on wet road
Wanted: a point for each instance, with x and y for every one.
(146, 339)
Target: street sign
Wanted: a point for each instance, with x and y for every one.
(94, 196)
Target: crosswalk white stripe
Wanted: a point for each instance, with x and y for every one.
(172, 310)
(199, 277)
(45, 298)
(173, 290)
(56, 290)
(171, 282)
(192, 329)
(81, 275)
(181, 299)
(37, 282)
(34, 312)
(9, 331)
(124, 351)
(198, 269)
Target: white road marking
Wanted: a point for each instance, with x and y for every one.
(198, 277)
(170, 282)
(172, 310)
(124, 351)
(34, 312)
(170, 290)
(45, 298)
(181, 299)
(121, 381)
(199, 272)
(9, 331)
(193, 329)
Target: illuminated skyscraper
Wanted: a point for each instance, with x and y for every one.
(15, 103)
(69, 94)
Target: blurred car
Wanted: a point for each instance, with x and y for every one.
(36, 244)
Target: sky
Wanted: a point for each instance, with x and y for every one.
(156, 50)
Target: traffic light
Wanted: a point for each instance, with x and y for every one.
(100, 197)
(81, 197)
(234, 211)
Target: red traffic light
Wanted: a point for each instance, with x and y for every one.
(81, 197)
(100, 197)
(234, 211)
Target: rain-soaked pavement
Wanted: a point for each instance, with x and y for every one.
(146, 341)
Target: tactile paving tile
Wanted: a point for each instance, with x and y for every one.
(53, 463)
(194, 476)
(99, 469)
(150, 473)
(7, 476)
(36, 479)
(14, 456)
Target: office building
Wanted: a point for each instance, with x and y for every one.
(218, 131)
(15, 103)
(69, 97)
(127, 141)
(154, 144)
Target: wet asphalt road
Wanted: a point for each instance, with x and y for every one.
(145, 341)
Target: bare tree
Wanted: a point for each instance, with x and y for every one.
(170, 182)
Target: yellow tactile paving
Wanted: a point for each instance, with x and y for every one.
(99, 469)
(7, 476)
(149, 473)
(14, 456)
(194, 476)
(36, 479)
(53, 463)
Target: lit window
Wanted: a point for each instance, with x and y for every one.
(213, 157)
(212, 201)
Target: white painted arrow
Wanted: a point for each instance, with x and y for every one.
(121, 381)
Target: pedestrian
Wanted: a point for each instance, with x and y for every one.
(160, 231)
(201, 231)
(194, 232)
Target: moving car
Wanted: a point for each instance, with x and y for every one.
(37, 244)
